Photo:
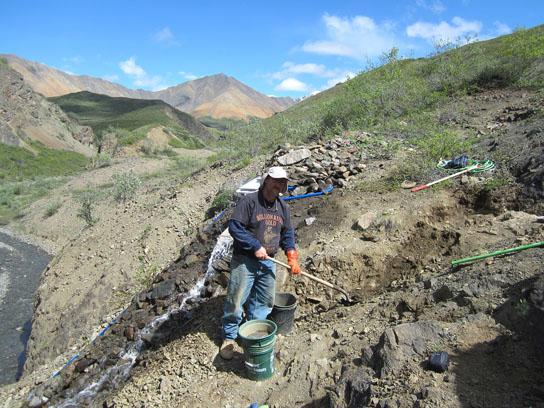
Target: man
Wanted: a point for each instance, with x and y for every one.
(259, 226)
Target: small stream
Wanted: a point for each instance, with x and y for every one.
(21, 266)
(119, 373)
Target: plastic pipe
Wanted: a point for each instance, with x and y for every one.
(214, 220)
(308, 195)
(498, 253)
(285, 199)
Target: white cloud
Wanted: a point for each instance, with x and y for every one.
(111, 78)
(444, 31)
(155, 83)
(188, 75)
(290, 69)
(435, 6)
(340, 78)
(166, 38)
(129, 67)
(329, 48)
(75, 60)
(292, 84)
(141, 78)
(308, 68)
(501, 29)
(357, 37)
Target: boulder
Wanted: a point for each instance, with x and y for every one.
(163, 289)
(353, 389)
(294, 156)
(407, 341)
(365, 221)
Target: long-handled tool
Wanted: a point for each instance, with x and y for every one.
(315, 278)
(505, 251)
(446, 178)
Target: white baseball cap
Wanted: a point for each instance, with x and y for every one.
(277, 173)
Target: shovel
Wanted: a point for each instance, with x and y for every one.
(314, 278)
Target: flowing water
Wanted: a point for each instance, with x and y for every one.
(120, 372)
(21, 266)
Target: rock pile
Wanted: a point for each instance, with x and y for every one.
(319, 167)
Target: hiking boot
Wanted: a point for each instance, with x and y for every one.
(227, 349)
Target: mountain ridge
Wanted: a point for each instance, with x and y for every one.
(200, 97)
(27, 116)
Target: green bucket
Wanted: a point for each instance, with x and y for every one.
(258, 341)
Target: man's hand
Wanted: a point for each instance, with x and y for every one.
(292, 261)
(261, 254)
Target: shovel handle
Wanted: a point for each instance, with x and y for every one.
(315, 278)
(446, 178)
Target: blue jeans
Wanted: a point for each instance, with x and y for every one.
(252, 286)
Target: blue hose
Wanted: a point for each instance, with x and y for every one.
(308, 195)
(214, 220)
(284, 199)
(96, 338)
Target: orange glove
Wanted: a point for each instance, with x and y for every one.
(292, 261)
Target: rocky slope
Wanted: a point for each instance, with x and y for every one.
(217, 96)
(27, 116)
(391, 250)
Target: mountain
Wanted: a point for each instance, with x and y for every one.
(217, 96)
(221, 96)
(26, 116)
(101, 111)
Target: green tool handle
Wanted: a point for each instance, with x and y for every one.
(498, 253)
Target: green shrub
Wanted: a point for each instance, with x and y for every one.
(145, 275)
(243, 163)
(220, 202)
(184, 166)
(87, 199)
(53, 208)
(125, 185)
(147, 146)
(441, 144)
(165, 151)
(145, 232)
(101, 160)
(176, 143)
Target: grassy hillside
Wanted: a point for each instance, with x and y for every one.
(396, 104)
(25, 177)
(224, 123)
(399, 98)
(103, 112)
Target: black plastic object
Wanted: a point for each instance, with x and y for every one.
(283, 312)
(439, 361)
(457, 163)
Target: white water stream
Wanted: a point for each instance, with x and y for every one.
(120, 372)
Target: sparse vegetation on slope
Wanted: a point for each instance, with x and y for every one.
(135, 116)
(26, 177)
(402, 98)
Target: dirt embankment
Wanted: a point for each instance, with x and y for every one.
(411, 302)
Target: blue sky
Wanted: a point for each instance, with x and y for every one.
(282, 48)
